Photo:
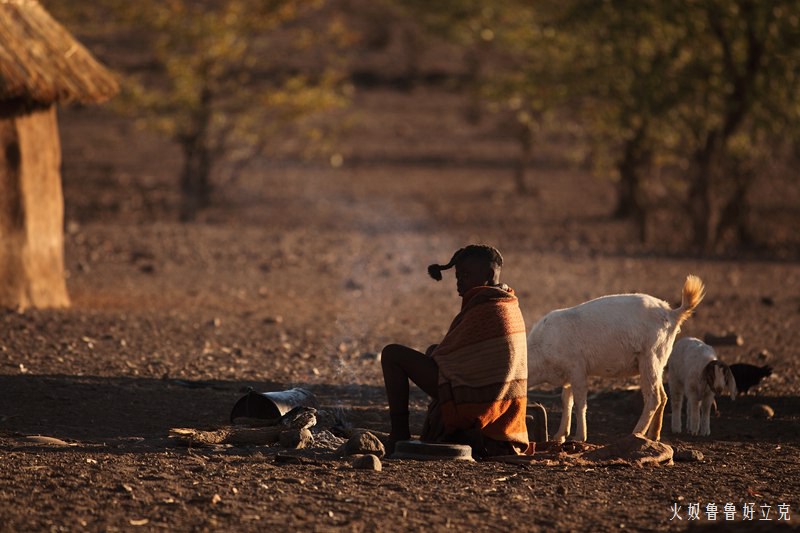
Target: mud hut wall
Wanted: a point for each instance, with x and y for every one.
(12, 217)
(31, 212)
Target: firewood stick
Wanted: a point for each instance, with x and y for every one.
(233, 435)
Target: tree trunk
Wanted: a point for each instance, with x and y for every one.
(700, 209)
(629, 197)
(743, 77)
(701, 206)
(197, 162)
(195, 180)
(31, 211)
(474, 71)
(735, 214)
(413, 52)
(628, 203)
(741, 218)
(525, 138)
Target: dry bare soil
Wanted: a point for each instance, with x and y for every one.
(298, 276)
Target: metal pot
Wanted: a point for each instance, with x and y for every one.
(272, 405)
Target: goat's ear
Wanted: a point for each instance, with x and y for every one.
(708, 374)
(731, 382)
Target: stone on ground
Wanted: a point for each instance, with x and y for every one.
(687, 455)
(362, 443)
(367, 462)
(296, 438)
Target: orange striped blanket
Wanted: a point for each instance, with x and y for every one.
(483, 368)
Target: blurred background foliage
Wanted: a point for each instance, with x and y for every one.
(222, 82)
(686, 100)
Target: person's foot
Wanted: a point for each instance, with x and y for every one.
(391, 441)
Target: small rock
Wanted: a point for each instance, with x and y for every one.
(767, 300)
(371, 356)
(761, 410)
(300, 417)
(353, 285)
(293, 480)
(686, 455)
(296, 438)
(362, 442)
(367, 462)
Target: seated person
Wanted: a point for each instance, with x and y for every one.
(477, 375)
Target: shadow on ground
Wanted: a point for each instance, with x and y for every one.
(97, 409)
(100, 409)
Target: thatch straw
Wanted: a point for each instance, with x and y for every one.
(42, 64)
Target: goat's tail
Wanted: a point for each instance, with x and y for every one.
(693, 293)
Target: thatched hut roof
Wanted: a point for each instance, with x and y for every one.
(42, 64)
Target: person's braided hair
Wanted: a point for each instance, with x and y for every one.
(489, 253)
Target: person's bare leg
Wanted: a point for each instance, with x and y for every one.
(401, 364)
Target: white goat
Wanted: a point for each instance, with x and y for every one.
(696, 374)
(618, 335)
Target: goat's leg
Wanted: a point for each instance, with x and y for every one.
(654, 431)
(693, 414)
(579, 391)
(650, 394)
(705, 415)
(566, 413)
(677, 408)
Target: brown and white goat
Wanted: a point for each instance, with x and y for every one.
(697, 375)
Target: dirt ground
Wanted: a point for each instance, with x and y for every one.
(298, 276)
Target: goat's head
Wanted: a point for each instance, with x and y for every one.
(720, 378)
